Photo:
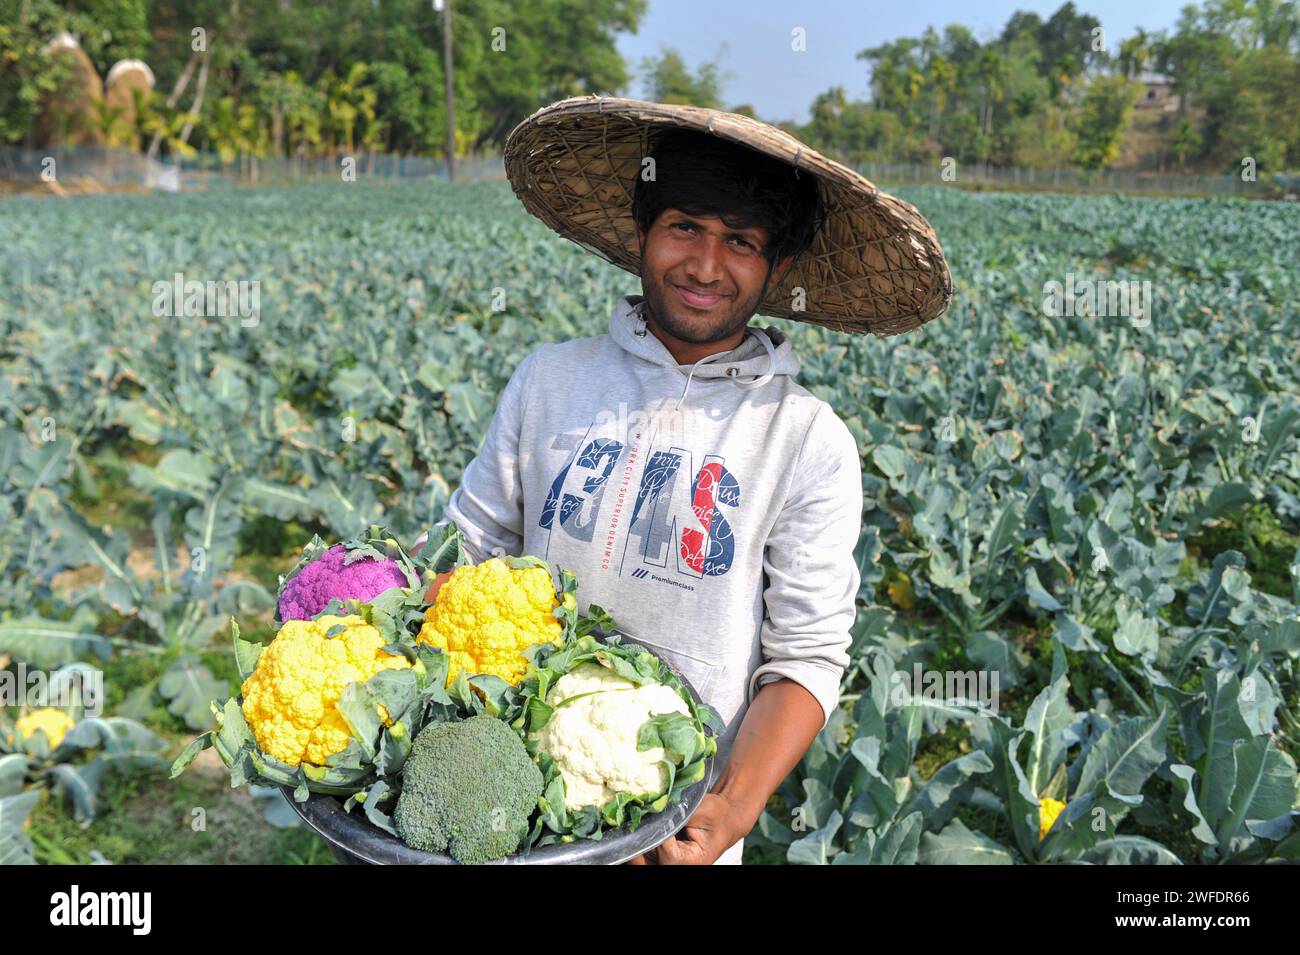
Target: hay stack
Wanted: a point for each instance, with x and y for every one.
(125, 81)
(67, 114)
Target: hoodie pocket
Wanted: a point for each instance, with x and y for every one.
(702, 674)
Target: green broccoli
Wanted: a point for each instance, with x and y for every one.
(467, 788)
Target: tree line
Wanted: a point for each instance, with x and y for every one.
(293, 77)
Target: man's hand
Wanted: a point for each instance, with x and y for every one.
(714, 828)
(431, 594)
(777, 730)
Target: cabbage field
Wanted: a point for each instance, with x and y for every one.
(1097, 505)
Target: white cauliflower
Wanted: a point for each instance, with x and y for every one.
(593, 740)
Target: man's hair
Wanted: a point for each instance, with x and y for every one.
(706, 175)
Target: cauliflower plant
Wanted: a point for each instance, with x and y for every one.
(487, 614)
(311, 589)
(1048, 810)
(56, 724)
(290, 699)
(593, 739)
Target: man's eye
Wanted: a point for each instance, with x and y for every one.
(689, 226)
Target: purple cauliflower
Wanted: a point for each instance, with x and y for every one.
(327, 577)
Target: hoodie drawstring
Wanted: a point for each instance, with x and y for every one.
(771, 364)
(640, 332)
(759, 381)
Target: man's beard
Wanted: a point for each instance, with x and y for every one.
(661, 300)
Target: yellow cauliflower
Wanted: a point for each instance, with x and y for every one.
(487, 614)
(56, 724)
(1048, 810)
(290, 699)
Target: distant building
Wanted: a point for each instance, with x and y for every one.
(1157, 92)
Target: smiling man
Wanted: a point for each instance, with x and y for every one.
(674, 464)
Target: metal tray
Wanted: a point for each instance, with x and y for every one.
(354, 840)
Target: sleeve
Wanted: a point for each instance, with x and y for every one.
(809, 566)
(488, 504)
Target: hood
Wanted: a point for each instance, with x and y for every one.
(763, 354)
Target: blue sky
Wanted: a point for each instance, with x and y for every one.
(750, 39)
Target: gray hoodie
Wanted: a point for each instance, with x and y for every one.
(712, 508)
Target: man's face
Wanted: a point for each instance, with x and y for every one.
(683, 254)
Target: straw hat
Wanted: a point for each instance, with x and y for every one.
(874, 266)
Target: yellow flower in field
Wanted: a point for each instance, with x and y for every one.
(901, 593)
(1048, 810)
(56, 724)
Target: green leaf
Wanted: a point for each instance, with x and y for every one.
(676, 733)
(244, 597)
(1184, 778)
(284, 502)
(957, 845)
(1221, 726)
(178, 471)
(13, 772)
(818, 847)
(275, 807)
(1274, 436)
(1004, 531)
(1048, 715)
(51, 643)
(468, 406)
(1223, 499)
(188, 755)
(1038, 596)
(247, 652)
(1073, 634)
(376, 796)
(1265, 786)
(497, 693)
(189, 687)
(1129, 850)
(774, 832)
(944, 572)
(15, 847)
(994, 652)
(358, 707)
(891, 461)
(144, 422)
(1137, 634)
(1121, 762)
(80, 786)
(950, 786)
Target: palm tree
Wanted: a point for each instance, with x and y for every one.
(163, 124)
(347, 101)
(941, 76)
(107, 120)
(991, 72)
(1134, 53)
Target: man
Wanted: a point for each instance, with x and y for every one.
(703, 497)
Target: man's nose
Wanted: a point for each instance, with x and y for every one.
(704, 267)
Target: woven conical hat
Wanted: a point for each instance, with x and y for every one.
(874, 266)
